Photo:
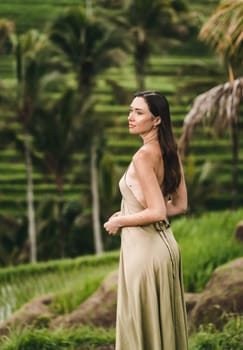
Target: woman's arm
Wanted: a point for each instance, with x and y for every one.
(117, 213)
(178, 201)
(155, 209)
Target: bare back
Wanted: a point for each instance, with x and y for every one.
(157, 164)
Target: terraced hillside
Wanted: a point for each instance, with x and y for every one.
(169, 73)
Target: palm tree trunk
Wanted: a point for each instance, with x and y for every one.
(231, 73)
(60, 227)
(95, 201)
(140, 75)
(89, 10)
(235, 149)
(235, 156)
(140, 60)
(30, 200)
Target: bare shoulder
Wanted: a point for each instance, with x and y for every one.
(143, 157)
(150, 154)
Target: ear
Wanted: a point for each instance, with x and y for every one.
(157, 121)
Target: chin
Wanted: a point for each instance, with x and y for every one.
(132, 131)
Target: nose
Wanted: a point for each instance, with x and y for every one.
(130, 115)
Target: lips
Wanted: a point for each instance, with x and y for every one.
(131, 125)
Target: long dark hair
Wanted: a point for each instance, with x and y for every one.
(159, 106)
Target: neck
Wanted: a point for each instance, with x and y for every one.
(150, 137)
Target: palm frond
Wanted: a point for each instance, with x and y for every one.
(223, 31)
(7, 29)
(219, 106)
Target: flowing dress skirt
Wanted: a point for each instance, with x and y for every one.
(150, 306)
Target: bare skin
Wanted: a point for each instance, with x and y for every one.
(146, 173)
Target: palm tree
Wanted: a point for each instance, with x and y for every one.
(28, 75)
(55, 137)
(34, 58)
(220, 105)
(223, 32)
(91, 46)
(89, 8)
(149, 22)
(7, 30)
(13, 247)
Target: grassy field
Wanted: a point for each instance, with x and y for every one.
(205, 240)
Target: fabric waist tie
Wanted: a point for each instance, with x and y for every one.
(161, 227)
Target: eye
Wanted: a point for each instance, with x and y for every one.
(135, 111)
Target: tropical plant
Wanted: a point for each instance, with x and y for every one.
(7, 30)
(13, 247)
(55, 134)
(91, 45)
(149, 23)
(37, 71)
(75, 227)
(223, 32)
(35, 57)
(220, 105)
(27, 75)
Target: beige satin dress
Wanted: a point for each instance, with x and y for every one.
(150, 307)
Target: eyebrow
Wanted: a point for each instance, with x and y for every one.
(137, 109)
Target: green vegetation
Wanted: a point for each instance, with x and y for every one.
(206, 242)
(229, 338)
(71, 281)
(84, 338)
(179, 74)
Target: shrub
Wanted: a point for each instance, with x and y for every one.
(206, 242)
(229, 338)
(62, 339)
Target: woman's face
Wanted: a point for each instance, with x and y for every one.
(140, 119)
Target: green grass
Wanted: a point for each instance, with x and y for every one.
(206, 242)
(85, 338)
(28, 14)
(229, 338)
(27, 270)
(71, 281)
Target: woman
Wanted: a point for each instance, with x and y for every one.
(150, 309)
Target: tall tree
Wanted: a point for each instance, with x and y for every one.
(223, 32)
(32, 67)
(149, 22)
(28, 74)
(220, 105)
(91, 45)
(36, 64)
(55, 134)
(7, 31)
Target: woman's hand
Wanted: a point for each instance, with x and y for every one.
(117, 213)
(112, 226)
